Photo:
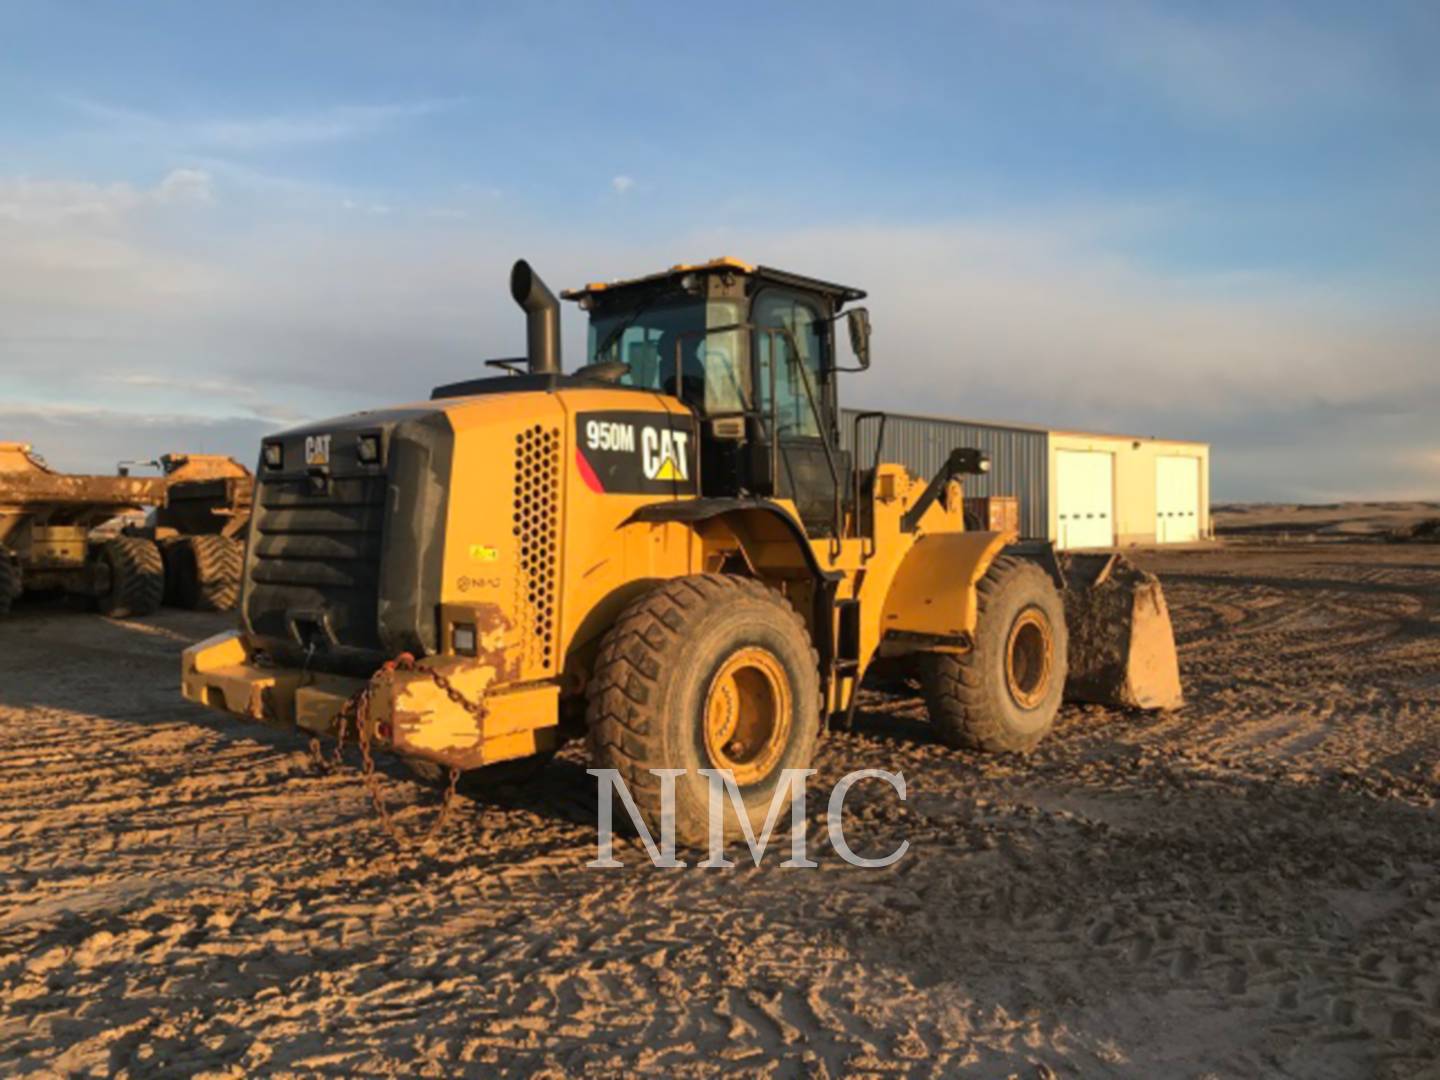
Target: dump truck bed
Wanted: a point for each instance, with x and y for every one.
(31, 490)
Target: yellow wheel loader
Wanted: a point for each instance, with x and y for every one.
(665, 550)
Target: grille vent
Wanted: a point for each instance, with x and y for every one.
(537, 508)
(318, 553)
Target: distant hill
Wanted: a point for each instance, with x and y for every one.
(1338, 521)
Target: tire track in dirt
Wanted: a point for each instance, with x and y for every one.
(1248, 887)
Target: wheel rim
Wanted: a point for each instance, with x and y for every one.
(748, 715)
(1029, 657)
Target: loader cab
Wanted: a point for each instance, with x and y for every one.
(752, 351)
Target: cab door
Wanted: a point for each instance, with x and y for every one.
(801, 415)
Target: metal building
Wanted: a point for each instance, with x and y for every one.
(1079, 489)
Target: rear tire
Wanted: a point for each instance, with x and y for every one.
(706, 671)
(207, 571)
(137, 577)
(1004, 693)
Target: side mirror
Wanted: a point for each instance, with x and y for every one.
(858, 320)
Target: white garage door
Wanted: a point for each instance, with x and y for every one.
(1085, 485)
(1177, 499)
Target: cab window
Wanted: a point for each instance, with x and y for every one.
(779, 310)
(712, 361)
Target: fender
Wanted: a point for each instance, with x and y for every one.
(771, 517)
(931, 602)
(1042, 553)
(764, 525)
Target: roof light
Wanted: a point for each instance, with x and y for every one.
(274, 455)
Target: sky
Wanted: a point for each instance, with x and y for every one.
(1213, 221)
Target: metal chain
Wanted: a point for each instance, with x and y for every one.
(357, 710)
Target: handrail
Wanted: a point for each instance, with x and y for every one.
(820, 425)
(874, 469)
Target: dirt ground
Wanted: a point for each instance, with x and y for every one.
(1250, 887)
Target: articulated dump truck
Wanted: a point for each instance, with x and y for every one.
(664, 551)
(200, 529)
(46, 543)
(186, 553)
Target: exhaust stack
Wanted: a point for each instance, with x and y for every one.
(542, 319)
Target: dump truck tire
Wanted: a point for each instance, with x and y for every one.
(710, 671)
(207, 572)
(137, 577)
(1004, 693)
(174, 570)
(11, 581)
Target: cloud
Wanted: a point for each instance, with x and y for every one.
(111, 253)
(1221, 66)
(93, 440)
(247, 397)
(621, 184)
(378, 209)
(337, 123)
(1304, 390)
(186, 186)
(48, 202)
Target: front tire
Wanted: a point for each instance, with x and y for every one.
(1004, 693)
(709, 671)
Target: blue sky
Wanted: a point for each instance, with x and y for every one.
(1214, 221)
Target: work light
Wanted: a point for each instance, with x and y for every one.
(367, 449)
(274, 455)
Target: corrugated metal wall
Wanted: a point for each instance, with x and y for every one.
(1018, 457)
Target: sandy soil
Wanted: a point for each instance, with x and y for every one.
(1248, 888)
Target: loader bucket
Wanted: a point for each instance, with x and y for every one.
(1122, 647)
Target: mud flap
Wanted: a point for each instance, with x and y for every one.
(1122, 646)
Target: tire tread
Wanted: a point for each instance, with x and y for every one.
(137, 577)
(219, 563)
(963, 705)
(622, 717)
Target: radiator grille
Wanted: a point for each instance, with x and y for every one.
(319, 553)
(537, 510)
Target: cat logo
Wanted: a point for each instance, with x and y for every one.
(637, 452)
(663, 454)
(317, 449)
